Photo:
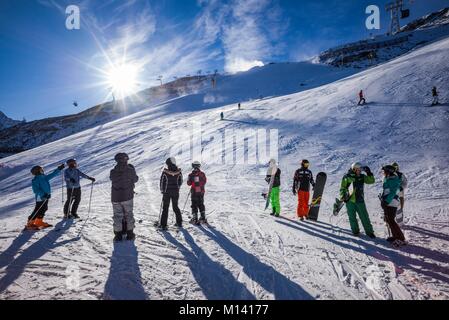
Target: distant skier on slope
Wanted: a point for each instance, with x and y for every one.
(362, 99)
(404, 184)
(197, 180)
(221, 116)
(355, 202)
(42, 193)
(170, 183)
(72, 176)
(123, 178)
(275, 189)
(302, 180)
(435, 101)
(390, 203)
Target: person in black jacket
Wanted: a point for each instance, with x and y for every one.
(171, 181)
(301, 186)
(123, 178)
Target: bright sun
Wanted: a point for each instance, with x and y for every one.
(123, 80)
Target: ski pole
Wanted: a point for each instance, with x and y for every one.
(88, 210)
(185, 203)
(62, 188)
(69, 207)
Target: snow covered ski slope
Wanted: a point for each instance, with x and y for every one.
(248, 254)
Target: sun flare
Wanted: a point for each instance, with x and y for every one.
(123, 80)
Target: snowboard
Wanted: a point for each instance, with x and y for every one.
(317, 196)
(400, 217)
(270, 186)
(338, 205)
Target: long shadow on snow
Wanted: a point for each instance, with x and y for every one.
(7, 210)
(265, 275)
(216, 282)
(428, 233)
(373, 250)
(124, 280)
(34, 252)
(7, 256)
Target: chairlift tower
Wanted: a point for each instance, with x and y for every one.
(395, 8)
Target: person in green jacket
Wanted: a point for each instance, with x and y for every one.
(355, 201)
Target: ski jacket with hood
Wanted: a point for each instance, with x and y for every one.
(171, 180)
(197, 180)
(358, 182)
(404, 181)
(123, 178)
(302, 180)
(41, 185)
(75, 174)
(391, 188)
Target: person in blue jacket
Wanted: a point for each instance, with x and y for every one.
(72, 176)
(42, 191)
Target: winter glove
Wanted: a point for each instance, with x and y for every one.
(46, 196)
(92, 179)
(294, 192)
(267, 179)
(368, 171)
(72, 180)
(61, 167)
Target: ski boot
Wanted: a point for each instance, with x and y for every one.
(41, 223)
(74, 216)
(31, 226)
(398, 243)
(371, 235)
(130, 235)
(391, 239)
(202, 220)
(194, 221)
(356, 234)
(118, 236)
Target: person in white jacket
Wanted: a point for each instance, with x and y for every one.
(404, 184)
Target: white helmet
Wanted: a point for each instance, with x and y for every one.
(356, 165)
(272, 162)
(196, 164)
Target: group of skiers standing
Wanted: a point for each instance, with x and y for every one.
(392, 197)
(123, 177)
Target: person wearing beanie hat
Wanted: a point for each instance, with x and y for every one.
(42, 191)
(170, 183)
(123, 178)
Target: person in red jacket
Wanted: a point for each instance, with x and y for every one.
(197, 180)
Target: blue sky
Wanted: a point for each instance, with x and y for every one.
(44, 67)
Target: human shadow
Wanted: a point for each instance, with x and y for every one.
(124, 280)
(400, 104)
(7, 256)
(35, 251)
(427, 232)
(265, 275)
(375, 248)
(240, 121)
(216, 282)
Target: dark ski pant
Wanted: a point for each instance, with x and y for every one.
(39, 210)
(198, 205)
(73, 200)
(359, 208)
(165, 206)
(390, 219)
(362, 101)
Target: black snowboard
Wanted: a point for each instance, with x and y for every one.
(317, 194)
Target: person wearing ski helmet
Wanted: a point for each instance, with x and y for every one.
(72, 176)
(170, 183)
(355, 201)
(390, 203)
(302, 180)
(404, 184)
(275, 172)
(42, 194)
(123, 177)
(197, 181)
(362, 99)
(435, 96)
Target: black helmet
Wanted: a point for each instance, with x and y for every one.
(196, 165)
(305, 163)
(396, 166)
(71, 163)
(121, 157)
(389, 169)
(36, 170)
(170, 162)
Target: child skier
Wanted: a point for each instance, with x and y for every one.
(301, 187)
(362, 100)
(404, 184)
(42, 191)
(72, 177)
(355, 202)
(390, 203)
(170, 183)
(275, 190)
(123, 178)
(197, 180)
